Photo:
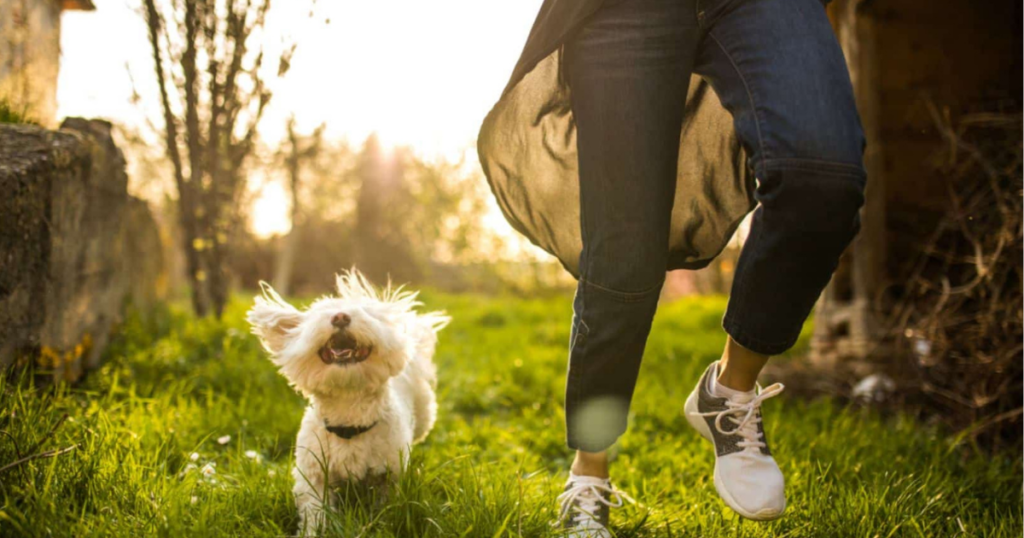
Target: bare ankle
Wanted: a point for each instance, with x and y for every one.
(590, 464)
(739, 367)
(740, 383)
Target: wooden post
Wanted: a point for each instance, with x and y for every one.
(846, 323)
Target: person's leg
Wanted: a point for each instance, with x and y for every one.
(739, 367)
(778, 68)
(590, 464)
(628, 70)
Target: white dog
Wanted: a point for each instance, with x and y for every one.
(364, 361)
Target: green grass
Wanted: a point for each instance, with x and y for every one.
(9, 114)
(492, 466)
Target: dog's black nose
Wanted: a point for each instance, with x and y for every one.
(340, 320)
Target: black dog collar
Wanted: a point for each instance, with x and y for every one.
(347, 432)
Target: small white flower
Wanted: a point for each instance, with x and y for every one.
(194, 499)
(271, 472)
(224, 440)
(253, 455)
(194, 456)
(208, 470)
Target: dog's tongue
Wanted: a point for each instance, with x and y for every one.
(342, 354)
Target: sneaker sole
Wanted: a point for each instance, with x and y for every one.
(701, 426)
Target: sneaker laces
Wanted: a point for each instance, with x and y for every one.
(746, 427)
(584, 498)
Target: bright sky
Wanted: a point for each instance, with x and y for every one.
(419, 73)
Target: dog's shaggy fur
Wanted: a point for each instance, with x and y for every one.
(362, 358)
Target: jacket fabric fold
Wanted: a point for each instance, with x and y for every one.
(527, 149)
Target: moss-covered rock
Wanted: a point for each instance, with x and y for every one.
(70, 242)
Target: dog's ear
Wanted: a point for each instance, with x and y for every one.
(272, 318)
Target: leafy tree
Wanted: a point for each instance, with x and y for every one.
(209, 62)
(294, 156)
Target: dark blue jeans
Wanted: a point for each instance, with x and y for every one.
(777, 67)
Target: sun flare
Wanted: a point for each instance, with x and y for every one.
(424, 80)
(270, 212)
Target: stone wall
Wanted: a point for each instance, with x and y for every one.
(73, 245)
(30, 57)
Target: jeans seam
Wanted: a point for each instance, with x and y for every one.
(575, 374)
(625, 296)
(816, 165)
(579, 345)
(750, 97)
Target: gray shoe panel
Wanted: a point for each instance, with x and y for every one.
(602, 516)
(707, 403)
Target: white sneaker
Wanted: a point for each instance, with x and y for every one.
(585, 504)
(746, 476)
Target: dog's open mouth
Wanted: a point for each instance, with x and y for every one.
(343, 349)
